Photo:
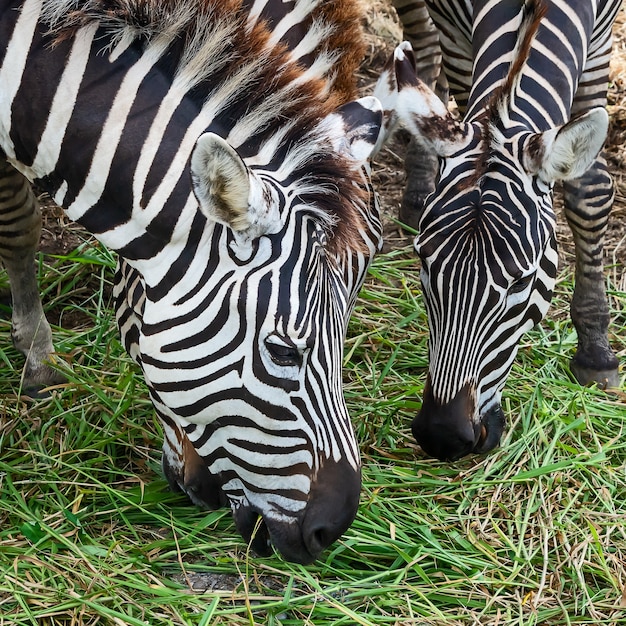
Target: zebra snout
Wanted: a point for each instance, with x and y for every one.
(448, 431)
(331, 508)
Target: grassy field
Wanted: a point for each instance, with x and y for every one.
(533, 533)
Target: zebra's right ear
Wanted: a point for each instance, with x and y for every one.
(568, 151)
(227, 191)
(416, 107)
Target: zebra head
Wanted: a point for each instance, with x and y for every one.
(488, 253)
(243, 352)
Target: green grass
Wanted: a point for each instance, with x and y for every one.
(533, 533)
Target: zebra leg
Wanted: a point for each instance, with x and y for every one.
(420, 165)
(421, 170)
(20, 227)
(588, 201)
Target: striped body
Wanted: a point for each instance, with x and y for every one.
(205, 143)
(530, 81)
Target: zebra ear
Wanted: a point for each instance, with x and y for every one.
(360, 128)
(568, 151)
(398, 73)
(227, 191)
(416, 107)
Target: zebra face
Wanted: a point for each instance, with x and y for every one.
(262, 402)
(487, 244)
(243, 353)
(488, 251)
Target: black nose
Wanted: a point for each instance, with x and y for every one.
(446, 431)
(331, 507)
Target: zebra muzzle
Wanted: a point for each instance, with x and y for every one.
(330, 508)
(448, 431)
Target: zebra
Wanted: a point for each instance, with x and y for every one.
(530, 80)
(217, 148)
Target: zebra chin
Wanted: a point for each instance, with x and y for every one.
(322, 516)
(448, 432)
(330, 510)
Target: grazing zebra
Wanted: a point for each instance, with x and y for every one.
(211, 144)
(530, 80)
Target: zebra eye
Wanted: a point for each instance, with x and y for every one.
(520, 284)
(282, 353)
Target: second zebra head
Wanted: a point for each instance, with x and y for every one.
(487, 239)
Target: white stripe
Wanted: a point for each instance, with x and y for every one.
(113, 128)
(13, 68)
(63, 104)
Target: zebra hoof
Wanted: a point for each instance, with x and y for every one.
(604, 379)
(36, 388)
(36, 392)
(39, 381)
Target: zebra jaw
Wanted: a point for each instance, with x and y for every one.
(300, 537)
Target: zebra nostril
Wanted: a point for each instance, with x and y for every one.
(319, 538)
(492, 427)
(482, 437)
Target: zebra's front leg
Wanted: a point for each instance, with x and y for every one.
(588, 202)
(421, 170)
(20, 227)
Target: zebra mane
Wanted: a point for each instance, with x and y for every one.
(498, 105)
(265, 82)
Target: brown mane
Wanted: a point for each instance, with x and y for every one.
(491, 119)
(213, 40)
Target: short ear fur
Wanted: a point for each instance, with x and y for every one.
(409, 101)
(361, 126)
(229, 193)
(568, 151)
(221, 182)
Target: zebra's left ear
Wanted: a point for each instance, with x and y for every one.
(361, 125)
(567, 151)
(227, 191)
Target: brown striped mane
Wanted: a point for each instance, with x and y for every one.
(193, 21)
(213, 40)
(492, 118)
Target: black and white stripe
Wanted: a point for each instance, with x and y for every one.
(203, 141)
(530, 80)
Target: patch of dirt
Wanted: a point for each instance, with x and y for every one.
(59, 234)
